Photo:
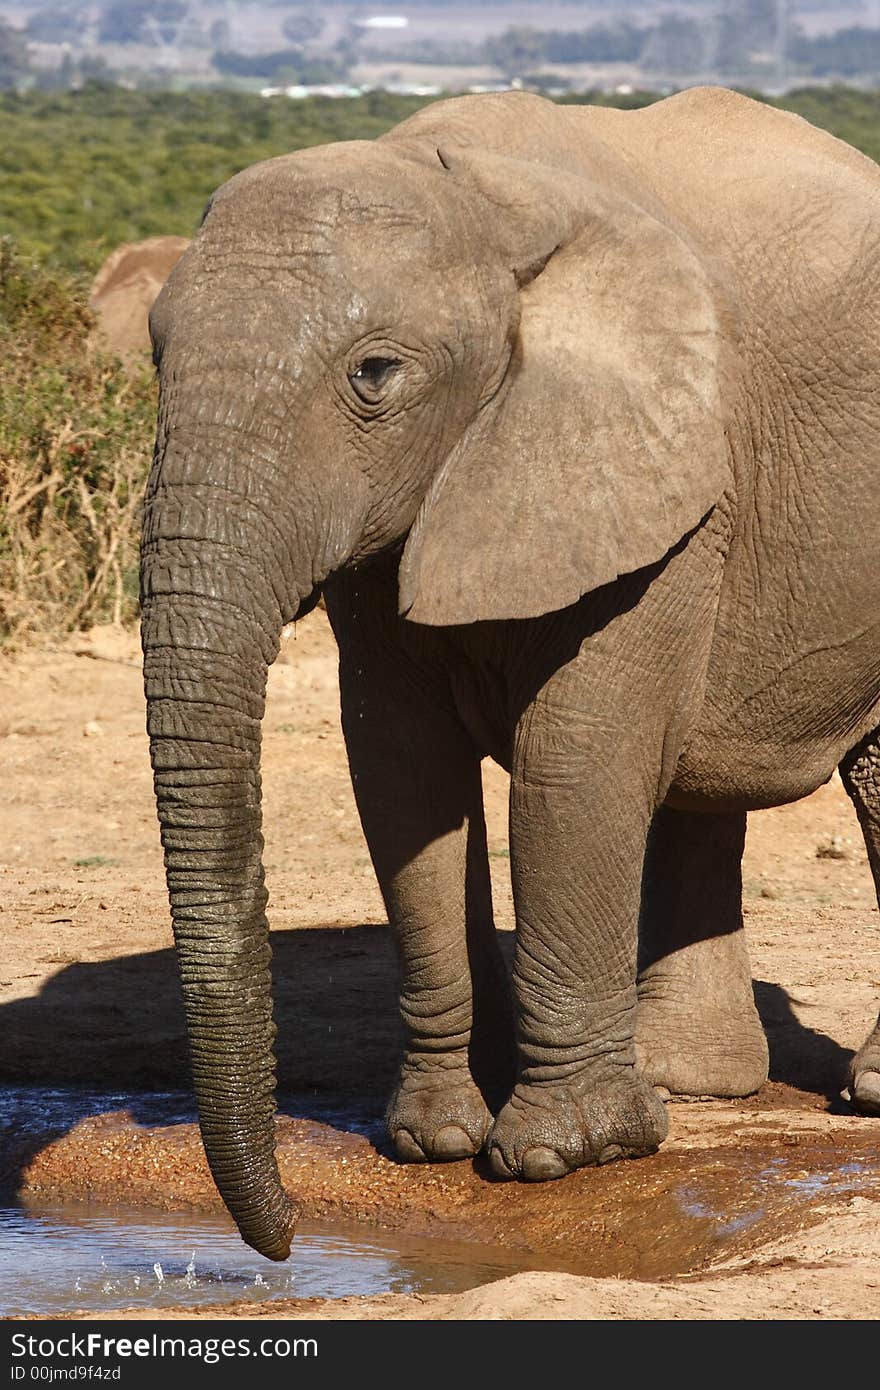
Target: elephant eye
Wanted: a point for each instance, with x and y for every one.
(372, 376)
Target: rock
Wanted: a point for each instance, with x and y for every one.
(832, 849)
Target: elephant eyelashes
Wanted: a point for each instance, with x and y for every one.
(372, 376)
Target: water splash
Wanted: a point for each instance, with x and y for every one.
(91, 1258)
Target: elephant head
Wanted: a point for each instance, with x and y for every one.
(506, 367)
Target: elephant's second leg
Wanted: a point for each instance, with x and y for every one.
(458, 1065)
(697, 1028)
(860, 772)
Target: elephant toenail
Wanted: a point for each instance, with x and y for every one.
(866, 1093)
(542, 1165)
(451, 1142)
(498, 1163)
(609, 1153)
(407, 1148)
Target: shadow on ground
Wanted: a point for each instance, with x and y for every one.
(119, 1023)
(800, 1057)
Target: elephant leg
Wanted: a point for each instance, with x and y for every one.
(860, 771)
(697, 1029)
(416, 777)
(577, 844)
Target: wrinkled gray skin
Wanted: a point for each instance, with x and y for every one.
(574, 415)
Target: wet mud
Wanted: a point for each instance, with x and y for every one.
(676, 1213)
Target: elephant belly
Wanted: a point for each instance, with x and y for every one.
(793, 680)
(787, 734)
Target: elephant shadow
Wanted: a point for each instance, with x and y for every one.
(800, 1057)
(110, 1035)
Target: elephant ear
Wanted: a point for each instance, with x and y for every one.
(605, 444)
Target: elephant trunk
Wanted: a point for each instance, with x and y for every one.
(211, 622)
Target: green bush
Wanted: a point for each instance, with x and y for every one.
(81, 172)
(75, 434)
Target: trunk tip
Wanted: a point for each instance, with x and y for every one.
(275, 1243)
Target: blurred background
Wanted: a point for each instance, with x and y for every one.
(419, 47)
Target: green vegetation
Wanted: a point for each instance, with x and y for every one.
(75, 437)
(81, 172)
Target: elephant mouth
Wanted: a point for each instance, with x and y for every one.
(307, 604)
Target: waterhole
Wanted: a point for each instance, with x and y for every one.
(59, 1257)
(72, 1257)
(395, 1228)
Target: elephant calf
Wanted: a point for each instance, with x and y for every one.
(573, 416)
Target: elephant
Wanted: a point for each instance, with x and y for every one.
(123, 291)
(572, 415)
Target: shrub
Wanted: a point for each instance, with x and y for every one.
(75, 436)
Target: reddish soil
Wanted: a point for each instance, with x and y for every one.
(759, 1209)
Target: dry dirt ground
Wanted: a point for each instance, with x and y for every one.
(766, 1208)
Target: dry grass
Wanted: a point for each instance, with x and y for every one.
(75, 441)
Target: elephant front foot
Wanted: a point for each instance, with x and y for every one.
(864, 1076)
(437, 1114)
(548, 1130)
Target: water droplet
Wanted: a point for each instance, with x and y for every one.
(190, 1276)
(157, 1270)
(260, 1283)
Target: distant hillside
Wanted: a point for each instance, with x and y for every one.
(574, 44)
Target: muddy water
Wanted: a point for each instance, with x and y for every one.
(60, 1258)
(726, 1183)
